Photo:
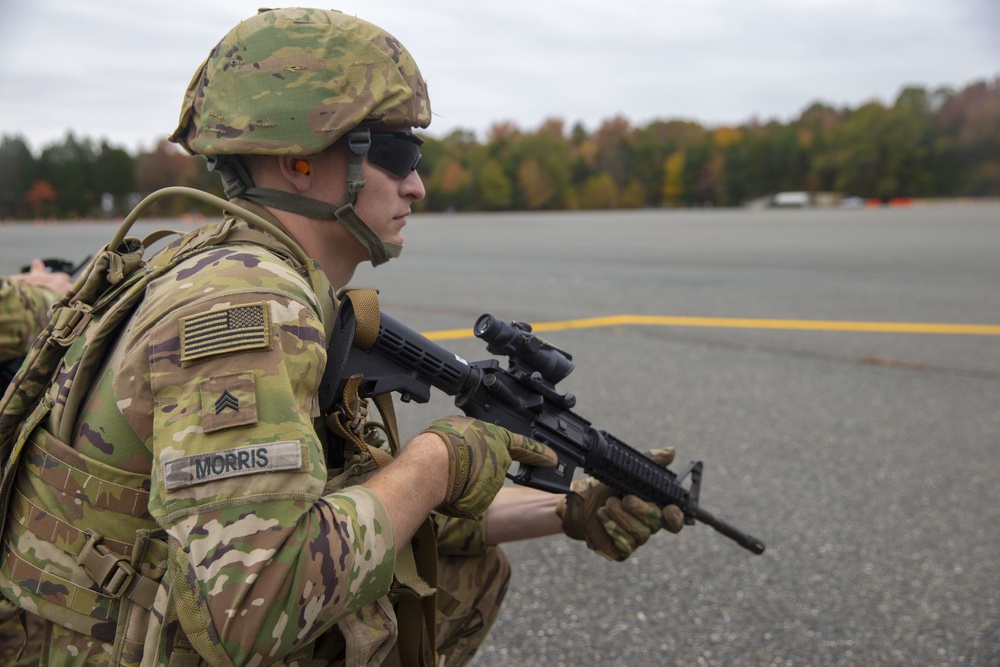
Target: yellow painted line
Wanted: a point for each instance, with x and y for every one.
(744, 323)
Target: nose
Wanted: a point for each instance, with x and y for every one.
(412, 187)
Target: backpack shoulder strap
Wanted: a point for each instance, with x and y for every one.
(108, 290)
(357, 326)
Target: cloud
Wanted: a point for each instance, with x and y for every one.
(118, 69)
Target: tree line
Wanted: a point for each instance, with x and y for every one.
(927, 143)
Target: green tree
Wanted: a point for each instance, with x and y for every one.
(862, 153)
(68, 166)
(711, 184)
(817, 125)
(673, 178)
(614, 148)
(633, 196)
(909, 143)
(168, 165)
(455, 185)
(652, 145)
(942, 142)
(444, 168)
(17, 173)
(536, 187)
(599, 192)
(493, 188)
(968, 138)
(545, 159)
(114, 174)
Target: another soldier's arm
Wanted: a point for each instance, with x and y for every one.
(57, 281)
(463, 472)
(520, 513)
(517, 513)
(613, 526)
(24, 312)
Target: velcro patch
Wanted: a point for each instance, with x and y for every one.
(228, 400)
(213, 466)
(242, 327)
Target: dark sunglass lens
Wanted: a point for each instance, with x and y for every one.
(396, 152)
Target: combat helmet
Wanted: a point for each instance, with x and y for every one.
(293, 82)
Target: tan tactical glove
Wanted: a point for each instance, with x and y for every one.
(613, 526)
(480, 454)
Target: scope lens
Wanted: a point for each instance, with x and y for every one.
(482, 325)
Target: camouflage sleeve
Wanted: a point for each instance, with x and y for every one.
(228, 361)
(458, 536)
(24, 312)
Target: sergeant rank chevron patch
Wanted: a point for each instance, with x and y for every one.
(227, 400)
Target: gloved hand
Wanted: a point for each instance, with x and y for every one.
(480, 454)
(615, 526)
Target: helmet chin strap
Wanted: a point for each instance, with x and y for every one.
(379, 251)
(237, 183)
(359, 141)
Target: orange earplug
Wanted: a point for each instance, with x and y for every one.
(302, 167)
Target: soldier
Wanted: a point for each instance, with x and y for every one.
(255, 530)
(25, 301)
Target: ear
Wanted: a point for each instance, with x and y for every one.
(296, 171)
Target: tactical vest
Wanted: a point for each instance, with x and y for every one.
(100, 579)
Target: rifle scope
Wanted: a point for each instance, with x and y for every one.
(515, 340)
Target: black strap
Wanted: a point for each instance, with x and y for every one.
(8, 369)
(337, 352)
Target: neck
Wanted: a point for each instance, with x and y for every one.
(339, 276)
(327, 241)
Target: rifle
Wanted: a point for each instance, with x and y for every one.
(521, 398)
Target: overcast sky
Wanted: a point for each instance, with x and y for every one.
(117, 69)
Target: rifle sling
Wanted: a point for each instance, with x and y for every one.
(416, 562)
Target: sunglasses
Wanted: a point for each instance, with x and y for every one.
(396, 152)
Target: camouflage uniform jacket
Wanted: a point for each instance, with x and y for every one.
(212, 391)
(24, 311)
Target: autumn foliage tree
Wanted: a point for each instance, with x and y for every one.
(926, 143)
(40, 198)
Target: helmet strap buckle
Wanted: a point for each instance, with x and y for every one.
(359, 140)
(235, 177)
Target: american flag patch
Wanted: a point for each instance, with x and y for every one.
(243, 327)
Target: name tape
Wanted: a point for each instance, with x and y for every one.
(213, 466)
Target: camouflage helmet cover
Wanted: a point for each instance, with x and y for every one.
(293, 81)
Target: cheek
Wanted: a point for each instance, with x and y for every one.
(377, 193)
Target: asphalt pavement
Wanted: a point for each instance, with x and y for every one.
(866, 461)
